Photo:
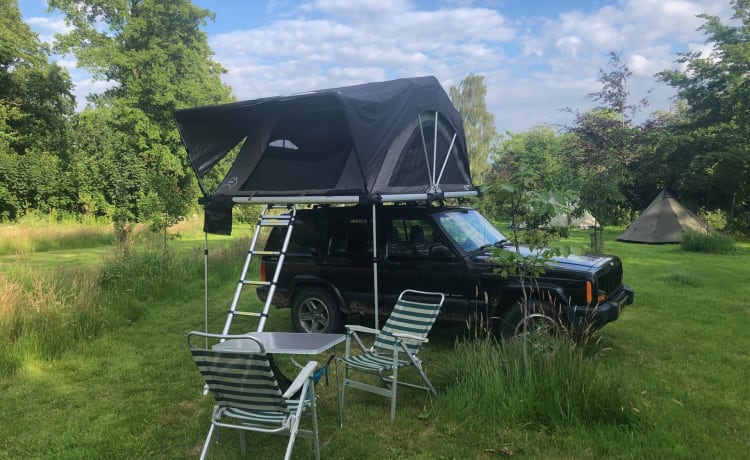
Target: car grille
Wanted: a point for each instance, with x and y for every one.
(609, 278)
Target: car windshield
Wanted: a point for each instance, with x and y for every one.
(470, 230)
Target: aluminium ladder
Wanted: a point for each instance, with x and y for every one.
(267, 219)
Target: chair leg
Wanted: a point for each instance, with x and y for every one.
(426, 380)
(339, 394)
(314, 414)
(342, 395)
(207, 444)
(394, 388)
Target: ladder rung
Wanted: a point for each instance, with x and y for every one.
(256, 283)
(273, 224)
(277, 217)
(265, 253)
(245, 313)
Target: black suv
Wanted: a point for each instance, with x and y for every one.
(328, 270)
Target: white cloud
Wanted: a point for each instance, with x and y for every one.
(47, 27)
(343, 50)
(348, 8)
(533, 65)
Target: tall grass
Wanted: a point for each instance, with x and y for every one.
(562, 386)
(38, 234)
(714, 243)
(43, 313)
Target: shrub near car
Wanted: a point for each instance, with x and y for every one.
(328, 271)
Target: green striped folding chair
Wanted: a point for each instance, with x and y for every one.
(396, 346)
(247, 394)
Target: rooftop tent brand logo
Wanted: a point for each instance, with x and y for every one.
(231, 183)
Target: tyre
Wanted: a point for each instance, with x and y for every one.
(542, 318)
(315, 310)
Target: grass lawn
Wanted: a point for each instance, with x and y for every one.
(681, 353)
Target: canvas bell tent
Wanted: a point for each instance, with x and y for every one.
(663, 221)
(586, 220)
(393, 141)
(566, 217)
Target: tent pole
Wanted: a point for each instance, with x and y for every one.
(205, 284)
(424, 148)
(375, 262)
(445, 162)
(434, 151)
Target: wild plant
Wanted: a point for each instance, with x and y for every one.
(714, 243)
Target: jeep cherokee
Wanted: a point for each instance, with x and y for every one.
(328, 270)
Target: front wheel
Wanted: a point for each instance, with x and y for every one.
(539, 319)
(315, 311)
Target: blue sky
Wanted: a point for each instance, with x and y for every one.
(537, 57)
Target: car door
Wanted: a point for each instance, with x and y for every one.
(409, 264)
(348, 260)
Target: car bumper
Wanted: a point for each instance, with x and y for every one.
(588, 319)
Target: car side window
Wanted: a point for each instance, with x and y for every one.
(410, 238)
(350, 237)
(303, 239)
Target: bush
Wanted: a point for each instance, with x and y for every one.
(740, 224)
(714, 243)
(715, 218)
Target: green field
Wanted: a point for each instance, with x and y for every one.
(94, 364)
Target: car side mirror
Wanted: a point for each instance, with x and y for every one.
(441, 252)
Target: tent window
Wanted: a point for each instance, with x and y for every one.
(412, 166)
(284, 144)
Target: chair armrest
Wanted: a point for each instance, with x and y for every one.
(358, 328)
(303, 375)
(401, 335)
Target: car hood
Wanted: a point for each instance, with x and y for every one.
(572, 261)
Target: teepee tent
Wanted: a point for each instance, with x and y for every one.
(663, 221)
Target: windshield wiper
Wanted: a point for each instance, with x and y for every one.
(497, 244)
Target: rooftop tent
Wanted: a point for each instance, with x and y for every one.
(663, 221)
(399, 140)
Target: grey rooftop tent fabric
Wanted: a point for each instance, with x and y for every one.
(400, 139)
(663, 221)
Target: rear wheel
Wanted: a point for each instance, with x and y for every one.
(314, 310)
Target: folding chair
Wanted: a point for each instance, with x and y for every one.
(247, 393)
(395, 346)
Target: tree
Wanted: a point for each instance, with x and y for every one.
(541, 149)
(541, 153)
(35, 103)
(604, 148)
(479, 123)
(715, 133)
(158, 60)
(526, 202)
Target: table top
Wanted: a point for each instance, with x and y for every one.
(290, 343)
